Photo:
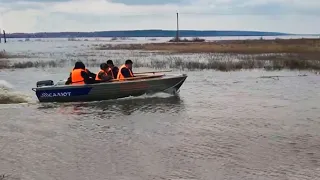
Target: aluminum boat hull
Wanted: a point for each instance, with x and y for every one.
(109, 90)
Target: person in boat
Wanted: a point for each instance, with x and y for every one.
(113, 70)
(91, 74)
(80, 75)
(125, 71)
(102, 75)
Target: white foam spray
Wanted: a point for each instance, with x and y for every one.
(9, 96)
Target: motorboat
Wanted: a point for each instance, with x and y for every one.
(47, 91)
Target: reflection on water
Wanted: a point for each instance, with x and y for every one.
(221, 126)
(124, 107)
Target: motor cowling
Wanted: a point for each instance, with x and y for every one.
(45, 83)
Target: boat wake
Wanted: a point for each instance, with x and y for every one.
(160, 95)
(9, 96)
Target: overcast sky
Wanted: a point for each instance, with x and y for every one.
(292, 16)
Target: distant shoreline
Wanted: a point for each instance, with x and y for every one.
(144, 33)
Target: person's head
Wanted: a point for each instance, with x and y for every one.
(104, 66)
(110, 63)
(79, 65)
(129, 63)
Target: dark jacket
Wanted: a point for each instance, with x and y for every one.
(115, 71)
(91, 75)
(125, 72)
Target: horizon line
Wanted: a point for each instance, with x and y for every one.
(128, 30)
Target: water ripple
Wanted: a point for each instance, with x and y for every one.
(221, 126)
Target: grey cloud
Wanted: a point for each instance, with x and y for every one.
(26, 4)
(148, 2)
(42, 1)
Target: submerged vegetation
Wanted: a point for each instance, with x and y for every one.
(226, 55)
(195, 39)
(212, 61)
(5, 55)
(246, 54)
(4, 64)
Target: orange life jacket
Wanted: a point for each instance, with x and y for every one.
(97, 76)
(76, 77)
(120, 76)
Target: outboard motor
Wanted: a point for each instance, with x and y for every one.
(45, 83)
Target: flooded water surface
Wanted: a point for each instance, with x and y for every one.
(222, 125)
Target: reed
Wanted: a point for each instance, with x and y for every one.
(195, 39)
(5, 55)
(4, 64)
(226, 55)
(35, 64)
(4, 177)
(232, 65)
(208, 61)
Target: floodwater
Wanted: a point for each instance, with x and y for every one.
(222, 125)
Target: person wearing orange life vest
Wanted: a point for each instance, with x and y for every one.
(125, 71)
(102, 75)
(113, 70)
(79, 75)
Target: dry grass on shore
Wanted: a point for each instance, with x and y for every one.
(273, 54)
(300, 46)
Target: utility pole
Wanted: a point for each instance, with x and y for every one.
(177, 35)
(4, 36)
(2, 23)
